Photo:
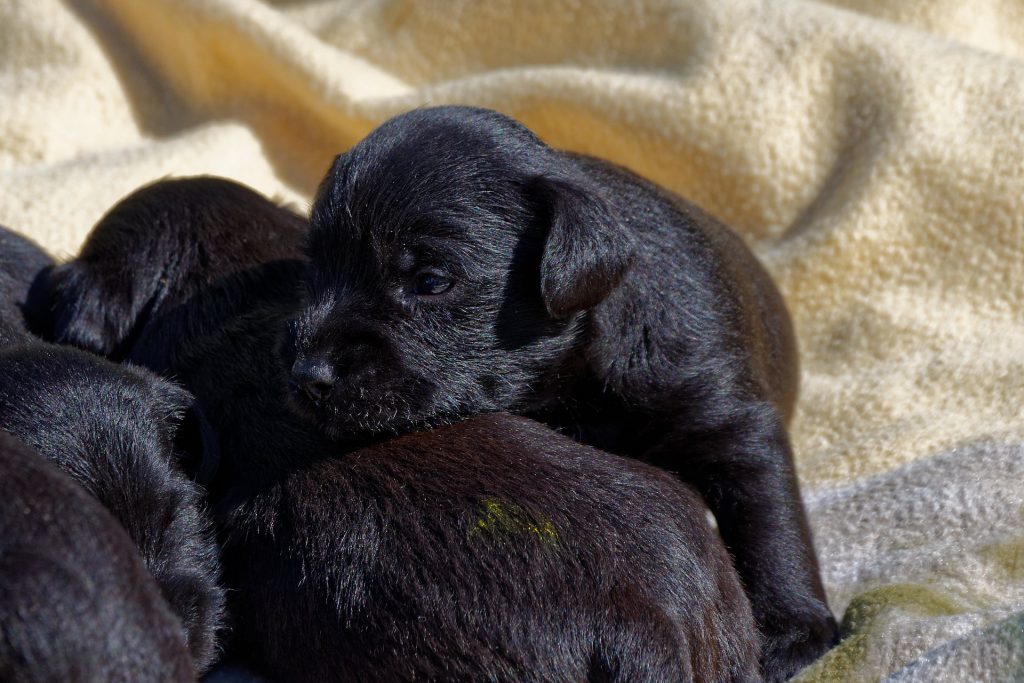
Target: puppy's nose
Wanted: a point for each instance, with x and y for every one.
(314, 376)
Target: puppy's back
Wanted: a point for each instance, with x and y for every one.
(681, 248)
(493, 549)
(76, 602)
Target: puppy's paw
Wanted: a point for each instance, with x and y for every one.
(794, 641)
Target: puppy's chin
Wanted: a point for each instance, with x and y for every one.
(355, 413)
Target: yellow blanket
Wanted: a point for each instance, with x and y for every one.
(871, 151)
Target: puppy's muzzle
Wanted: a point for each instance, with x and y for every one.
(314, 377)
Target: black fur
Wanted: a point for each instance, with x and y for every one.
(138, 262)
(582, 295)
(112, 429)
(373, 564)
(22, 262)
(489, 550)
(76, 602)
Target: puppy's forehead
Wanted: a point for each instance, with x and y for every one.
(445, 135)
(430, 170)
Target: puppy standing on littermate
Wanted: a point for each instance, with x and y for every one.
(460, 266)
(493, 549)
(108, 432)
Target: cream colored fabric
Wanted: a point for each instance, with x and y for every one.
(871, 151)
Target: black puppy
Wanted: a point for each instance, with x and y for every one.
(460, 265)
(490, 550)
(76, 601)
(112, 429)
(493, 550)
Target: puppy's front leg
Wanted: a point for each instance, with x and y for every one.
(744, 470)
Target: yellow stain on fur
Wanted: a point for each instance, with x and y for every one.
(504, 518)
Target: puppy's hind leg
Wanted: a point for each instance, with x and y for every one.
(638, 642)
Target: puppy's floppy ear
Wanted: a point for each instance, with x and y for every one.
(38, 306)
(587, 251)
(195, 441)
(87, 315)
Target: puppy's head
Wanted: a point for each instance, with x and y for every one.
(155, 250)
(452, 255)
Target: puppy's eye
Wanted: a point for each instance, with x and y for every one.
(432, 284)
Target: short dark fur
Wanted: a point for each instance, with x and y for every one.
(582, 295)
(112, 429)
(138, 264)
(375, 563)
(489, 550)
(76, 601)
(21, 263)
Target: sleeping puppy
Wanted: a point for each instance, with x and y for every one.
(494, 549)
(21, 263)
(112, 430)
(460, 266)
(76, 602)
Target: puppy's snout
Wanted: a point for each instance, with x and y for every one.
(314, 376)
